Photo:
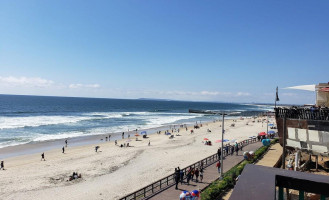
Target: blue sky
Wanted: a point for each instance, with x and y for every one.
(231, 51)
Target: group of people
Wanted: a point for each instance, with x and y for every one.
(233, 148)
(75, 175)
(262, 137)
(190, 173)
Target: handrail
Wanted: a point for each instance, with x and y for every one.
(169, 181)
(303, 113)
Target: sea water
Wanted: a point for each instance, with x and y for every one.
(26, 119)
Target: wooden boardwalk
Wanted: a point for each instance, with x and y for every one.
(210, 175)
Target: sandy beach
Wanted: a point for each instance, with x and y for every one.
(113, 171)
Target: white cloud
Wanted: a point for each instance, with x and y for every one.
(77, 86)
(239, 94)
(289, 94)
(186, 94)
(26, 81)
(209, 93)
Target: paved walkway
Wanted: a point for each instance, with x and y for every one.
(210, 175)
(272, 156)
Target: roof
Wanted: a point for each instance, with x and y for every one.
(259, 182)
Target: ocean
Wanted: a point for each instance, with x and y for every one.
(28, 119)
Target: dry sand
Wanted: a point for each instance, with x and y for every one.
(113, 172)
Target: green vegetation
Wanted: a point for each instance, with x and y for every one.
(214, 190)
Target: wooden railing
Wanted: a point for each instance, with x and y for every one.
(169, 181)
(303, 113)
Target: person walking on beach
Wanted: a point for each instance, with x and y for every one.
(196, 172)
(96, 148)
(218, 166)
(2, 166)
(232, 150)
(43, 157)
(63, 149)
(65, 143)
(149, 142)
(219, 153)
(109, 137)
(115, 142)
(123, 135)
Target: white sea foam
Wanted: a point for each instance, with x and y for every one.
(45, 137)
(141, 120)
(35, 121)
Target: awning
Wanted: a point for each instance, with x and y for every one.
(303, 87)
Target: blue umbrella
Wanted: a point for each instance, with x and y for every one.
(270, 124)
(271, 132)
(143, 132)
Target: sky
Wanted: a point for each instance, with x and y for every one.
(212, 50)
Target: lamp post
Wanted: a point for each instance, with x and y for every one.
(222, 155)
(266, 122)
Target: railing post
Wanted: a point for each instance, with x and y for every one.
(280, 193)
(160, 184)
(301, 195)
(152, 188)
(144, 192)
(135, 196)
(167, 181)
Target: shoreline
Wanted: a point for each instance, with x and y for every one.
(113, 171)
(47, 145)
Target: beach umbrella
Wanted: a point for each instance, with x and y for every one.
(270, 124)
(271, 132)
(234, 140)
(143, 132)
(136, 135)
(205, 139)
(225, 140)
(262, 133)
